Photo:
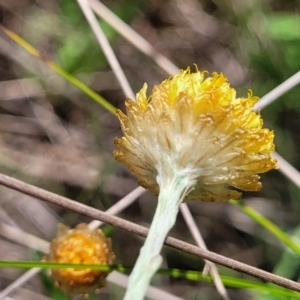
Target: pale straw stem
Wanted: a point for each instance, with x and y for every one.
(212, 268)
(120, 205)
(287, 169)
(19, 282)
(107, 50)
(23, 238)
(133, 37)
(278, 91)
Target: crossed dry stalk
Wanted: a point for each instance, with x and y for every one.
(52, 198)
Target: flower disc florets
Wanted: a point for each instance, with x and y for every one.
(80, 245)
(196, 126)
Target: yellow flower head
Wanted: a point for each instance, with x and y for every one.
(80, 246)
(195, 126)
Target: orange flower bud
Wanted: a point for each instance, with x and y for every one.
(80, 245)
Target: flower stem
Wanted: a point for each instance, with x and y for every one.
(150, 259)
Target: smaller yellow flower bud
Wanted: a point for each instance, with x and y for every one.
(80, 245)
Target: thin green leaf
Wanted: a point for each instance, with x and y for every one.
(84, 88)
(270, 226)
(288, 265)
(176, 273)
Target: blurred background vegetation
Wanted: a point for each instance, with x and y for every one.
(54, 136)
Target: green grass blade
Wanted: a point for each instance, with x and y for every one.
(232, 282)
(53, 265)
(176, 273)
(288, 265)
(267, 224)
(84, 88)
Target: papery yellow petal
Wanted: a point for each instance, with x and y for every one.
(197, 126)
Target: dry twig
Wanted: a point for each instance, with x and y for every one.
(140, 230)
